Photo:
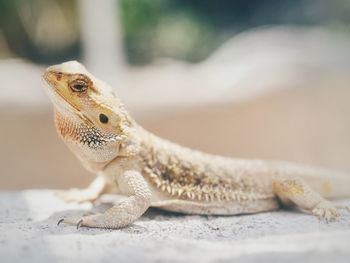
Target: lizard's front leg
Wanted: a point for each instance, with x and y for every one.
(89, 194)
(123, 213)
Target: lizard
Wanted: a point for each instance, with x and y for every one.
(153, 172)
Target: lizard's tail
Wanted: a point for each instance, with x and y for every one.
(329, 184)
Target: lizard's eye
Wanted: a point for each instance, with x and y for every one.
(78, 85)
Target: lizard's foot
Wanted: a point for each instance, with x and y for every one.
(88, 221)
(78, 195)
(326, 210)
(114, 218)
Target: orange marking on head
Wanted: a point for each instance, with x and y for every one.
(65, 127)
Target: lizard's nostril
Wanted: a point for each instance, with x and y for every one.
(59, 76)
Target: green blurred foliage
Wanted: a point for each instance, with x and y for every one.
(193, 29)
(164, 28)
(43, 31)
(47, 31)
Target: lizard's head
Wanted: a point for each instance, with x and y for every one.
(88, 116)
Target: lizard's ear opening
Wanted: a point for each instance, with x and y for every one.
(103, 118)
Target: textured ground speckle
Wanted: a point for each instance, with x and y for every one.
(28, 233)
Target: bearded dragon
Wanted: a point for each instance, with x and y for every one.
(153, 172)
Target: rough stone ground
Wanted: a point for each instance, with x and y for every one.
(28, 233)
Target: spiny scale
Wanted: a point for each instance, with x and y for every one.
(202, 193)
(186, 180)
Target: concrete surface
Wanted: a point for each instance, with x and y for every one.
(28, 233)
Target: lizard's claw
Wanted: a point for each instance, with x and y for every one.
(343, 207)
(60, 221)
(80, 222)
(88, 220)
(77, 221)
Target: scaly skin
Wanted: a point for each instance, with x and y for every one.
(154, 172)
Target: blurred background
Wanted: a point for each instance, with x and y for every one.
(252, 79)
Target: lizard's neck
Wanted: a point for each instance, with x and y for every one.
(93, 147)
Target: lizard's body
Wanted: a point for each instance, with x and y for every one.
(156, 172)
